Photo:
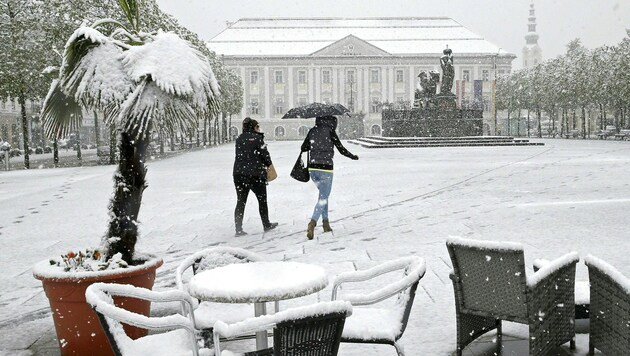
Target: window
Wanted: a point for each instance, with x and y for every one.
(253, 77)
(376, 105)
(302, 101)
(253, 106)
(326, 100)
(374, 76)
(13, 105)
(400, 76)
(279, 106)
(302, 77)
(375, 130)
(485, 75)
(399, 99)
(279, 78)
(279, 131)
(350, 76)
(466, 75)
(501, 72)
(326, 77)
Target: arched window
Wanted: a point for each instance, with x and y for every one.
(302, 131)
(279, 131)
(375, 130)
(233, 132)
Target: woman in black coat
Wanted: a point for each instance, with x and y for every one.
(250, 173)
(320, 142)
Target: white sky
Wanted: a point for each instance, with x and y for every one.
(503, 22)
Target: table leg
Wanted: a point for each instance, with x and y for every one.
(261, 336)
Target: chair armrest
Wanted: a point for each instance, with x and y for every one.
(416, 266)
(546, 272)
(98, 296)
(540, 263)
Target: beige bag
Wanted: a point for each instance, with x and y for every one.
(271, 173)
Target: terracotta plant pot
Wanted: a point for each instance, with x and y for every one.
(78, 329)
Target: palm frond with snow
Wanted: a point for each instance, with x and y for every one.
(61, 114)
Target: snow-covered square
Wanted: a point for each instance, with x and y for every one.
(568, 195)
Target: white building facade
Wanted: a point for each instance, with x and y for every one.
(362, 63)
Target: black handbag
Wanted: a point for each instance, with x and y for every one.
(299, 171)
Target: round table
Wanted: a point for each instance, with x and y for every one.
(258, 283)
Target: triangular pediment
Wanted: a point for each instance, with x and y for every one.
(350, 46)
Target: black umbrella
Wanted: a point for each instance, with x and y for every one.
(315, 110)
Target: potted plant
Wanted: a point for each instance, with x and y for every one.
(143, 82)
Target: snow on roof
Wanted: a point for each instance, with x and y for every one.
(304, 36)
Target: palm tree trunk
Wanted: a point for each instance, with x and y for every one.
(538, 116)
(22, 101)
(97, 138)
(112, 145)
(528, 124)
(56, 152)
(129, 184)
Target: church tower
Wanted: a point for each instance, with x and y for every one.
(532, 54)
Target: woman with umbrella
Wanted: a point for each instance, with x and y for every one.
(320, 142)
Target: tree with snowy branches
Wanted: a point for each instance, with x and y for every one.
(143, 82)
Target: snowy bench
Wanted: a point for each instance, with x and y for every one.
(607, 132)
(572, 134)
(623, 135)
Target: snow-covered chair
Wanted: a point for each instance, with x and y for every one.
(610, 308)
(313, 330)
(180, 338)
(491, 285)
(582, 294)
(207, 313)
(379, 324)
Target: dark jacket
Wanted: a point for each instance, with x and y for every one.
(252, 157)
(320, 142)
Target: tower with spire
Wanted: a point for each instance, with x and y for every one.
(532, 54)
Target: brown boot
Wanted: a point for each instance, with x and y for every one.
(310, 230)
(326, 225)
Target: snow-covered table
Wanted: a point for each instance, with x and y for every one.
(258, 283)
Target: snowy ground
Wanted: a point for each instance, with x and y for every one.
(567, 195)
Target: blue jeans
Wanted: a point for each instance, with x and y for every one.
(323, 181)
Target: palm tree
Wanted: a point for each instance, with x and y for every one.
(143, 82)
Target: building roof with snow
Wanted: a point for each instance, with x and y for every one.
(392, 36)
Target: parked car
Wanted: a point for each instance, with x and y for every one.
(39, 150)
(15, 152)
(47, 149)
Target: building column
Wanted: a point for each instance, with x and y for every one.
(390, 84)
(310, 78)
(335, 85)
(342, 86)
(412, 84)
(267, 88)
(366, 90)
(245, 94)
(318, 84)
(290, 103)
(359, 85)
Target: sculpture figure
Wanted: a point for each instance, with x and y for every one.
(448, 71)
(427, 88)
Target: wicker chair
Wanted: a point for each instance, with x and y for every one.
(180, 339)
(490, 285)
(207, 313)
(379, 324)
(313, 330)
(610, 308)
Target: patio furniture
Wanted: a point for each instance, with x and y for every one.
(180, 338)
(582, 295)
(379, 324)
(313, 330)
(491, 285)
(610, 308)
(207, 313)
(258, 283)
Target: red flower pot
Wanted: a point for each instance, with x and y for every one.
(78, 329)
